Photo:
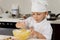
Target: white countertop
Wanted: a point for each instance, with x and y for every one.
(10, 19)
(55, 21)
(20, 19)
(5, 36)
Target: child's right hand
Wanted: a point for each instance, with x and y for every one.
(20, 24)
(32, 31)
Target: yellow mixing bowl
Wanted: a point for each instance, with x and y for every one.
(21, 34)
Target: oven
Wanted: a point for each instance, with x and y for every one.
(7, 25)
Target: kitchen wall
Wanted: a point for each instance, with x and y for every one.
(54, 6)
(24, 5)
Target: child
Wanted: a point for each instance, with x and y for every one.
(37, 23)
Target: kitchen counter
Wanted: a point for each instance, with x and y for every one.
(19, 19)
(55, 21)
(10, 19)
(5, 36)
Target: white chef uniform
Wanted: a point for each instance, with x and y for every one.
(42, 27)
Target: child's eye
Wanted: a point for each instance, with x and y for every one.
(33, 14)
(38, 14)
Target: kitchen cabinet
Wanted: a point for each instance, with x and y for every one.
(6, 31)
(56, 31)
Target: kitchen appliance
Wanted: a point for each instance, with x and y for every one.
(15, 11)
(53, 16)
(58, 16)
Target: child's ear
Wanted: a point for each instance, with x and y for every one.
(46, 13)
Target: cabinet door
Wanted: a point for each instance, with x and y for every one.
(56, 31)
(6, 31)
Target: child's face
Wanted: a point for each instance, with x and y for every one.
(39, 16)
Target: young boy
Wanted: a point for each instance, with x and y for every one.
(37, 23)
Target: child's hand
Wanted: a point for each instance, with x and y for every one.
(35, 34)
(20, 24)
(32, 32)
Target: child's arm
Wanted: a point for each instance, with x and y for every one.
(37, 34)
(20, 25)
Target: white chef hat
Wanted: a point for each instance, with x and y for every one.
(43, 2)
(39, 6)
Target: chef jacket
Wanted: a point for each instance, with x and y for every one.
(42, 27)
